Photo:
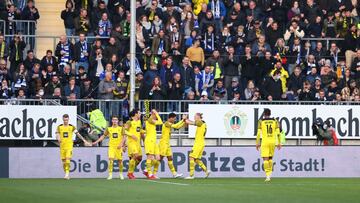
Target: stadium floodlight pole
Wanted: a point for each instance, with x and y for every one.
(132, 53)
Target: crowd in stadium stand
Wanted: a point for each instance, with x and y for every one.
(194, 50)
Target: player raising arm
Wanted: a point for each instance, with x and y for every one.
(151, 147)
(134, 133)
(164, 145)
(268, 131)
(116, 136)
(199, 145)
(64, 134)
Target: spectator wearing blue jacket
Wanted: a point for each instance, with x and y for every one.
(168, 71)
(71, 88)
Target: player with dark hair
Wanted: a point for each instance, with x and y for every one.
(164, 144)
(268, 131)
(134, 134)
(151, 148)
(199, 145)
(115, 132)
(64, 135)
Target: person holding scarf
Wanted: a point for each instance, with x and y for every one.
(218, 10)
(210, 40)
(207, 80)
(81, 53)
(64, 51)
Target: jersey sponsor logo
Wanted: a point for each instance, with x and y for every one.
(115, 135)
(235, 122)
(138, 129)
(66, 135)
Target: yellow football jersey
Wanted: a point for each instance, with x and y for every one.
(200, 133)
(115, 135)
(150, 128)
(166, 130)
(66, 135)
(268, 131)
(134, 129)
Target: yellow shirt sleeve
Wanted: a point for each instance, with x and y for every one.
(158, 121)
(178, 125)
(258, 136)
(199, 123)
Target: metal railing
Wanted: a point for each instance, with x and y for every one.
(25, 27)
(327, 40)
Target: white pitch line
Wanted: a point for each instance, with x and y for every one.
(164, 182)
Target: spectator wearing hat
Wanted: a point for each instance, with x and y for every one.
(235, 18)
(235, 88)
(81, 76)
(87, 89)
(204, 96)
(171, 12)
(196, 54)
(272, 87)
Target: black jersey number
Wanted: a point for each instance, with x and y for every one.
(269, 129)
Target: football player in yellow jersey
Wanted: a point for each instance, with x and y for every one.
(268, 131)
(116, 139)
(199, 145)
(64, 135)
(134, 135)
(164, 144)
(151, 147)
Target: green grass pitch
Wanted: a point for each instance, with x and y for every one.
(217, 190)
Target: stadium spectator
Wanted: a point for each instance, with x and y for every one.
(4, 49)
(157, 91)
(234, 89)
(219, 92)
(81, 53)
(196, 54)
(82, 23)
(64, 52)
(52, 85)
(68, 15)
(30, 12)
(49, 59)
(30, 60)
(106, 87)
(272, 87)
(16, 47)
(72, 88)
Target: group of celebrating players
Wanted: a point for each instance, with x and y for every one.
(129, 136)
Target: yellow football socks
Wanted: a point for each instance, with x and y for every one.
(148, 166)
(156, 164)
(192, 167)
(171, 167)
(67, 166)
(267, 168)
(132, 164)
(111, 166)
(271, 166)
(201, 164)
